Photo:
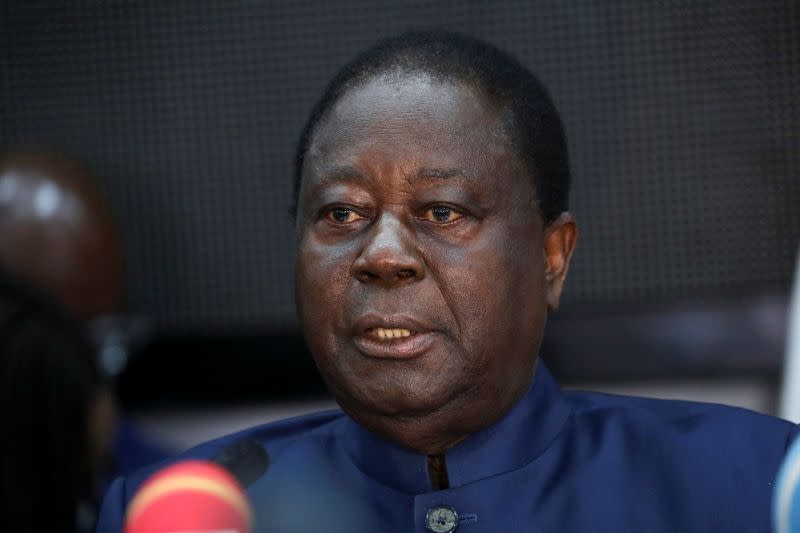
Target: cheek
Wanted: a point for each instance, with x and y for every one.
(322, 275)
(495, 290)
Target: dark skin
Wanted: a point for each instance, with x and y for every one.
(417, 216)
(57, 232)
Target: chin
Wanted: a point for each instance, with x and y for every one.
(381, 401)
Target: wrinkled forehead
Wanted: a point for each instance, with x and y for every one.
(415, 110)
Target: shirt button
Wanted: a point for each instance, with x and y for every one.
(441, 519)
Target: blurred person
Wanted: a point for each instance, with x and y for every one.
(58, 233)
(57, 415)
(434, 238)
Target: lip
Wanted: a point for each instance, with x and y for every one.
(421, 338)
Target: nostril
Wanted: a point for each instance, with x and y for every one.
(367, 276)
(406, 273)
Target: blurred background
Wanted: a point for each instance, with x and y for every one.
(683, 121)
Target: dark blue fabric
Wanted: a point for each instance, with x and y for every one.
(557, 462)
(133, 451)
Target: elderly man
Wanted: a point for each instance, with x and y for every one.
(433, 239)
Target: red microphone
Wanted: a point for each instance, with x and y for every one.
(196, 496)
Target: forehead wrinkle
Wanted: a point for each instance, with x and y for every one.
(340, 173)
(337, 173)
(435, 174)
(331, 175)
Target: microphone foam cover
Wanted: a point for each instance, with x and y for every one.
(195, 496)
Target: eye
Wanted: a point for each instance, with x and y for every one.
(342, 215)
(441, 214)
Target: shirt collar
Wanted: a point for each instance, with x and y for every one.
(512, 442)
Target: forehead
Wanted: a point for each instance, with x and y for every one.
(416, 120)
(394, 95)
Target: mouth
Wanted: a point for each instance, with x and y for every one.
(388, 333)
(392, 337)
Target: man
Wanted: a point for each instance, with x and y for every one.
(433, 239)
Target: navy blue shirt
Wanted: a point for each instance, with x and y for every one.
(560, 462)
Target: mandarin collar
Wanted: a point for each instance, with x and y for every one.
(515, 440)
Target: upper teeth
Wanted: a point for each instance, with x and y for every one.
(392, 333)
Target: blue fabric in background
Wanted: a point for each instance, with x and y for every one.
(133, 451)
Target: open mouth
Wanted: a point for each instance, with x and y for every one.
(387, 338)
(388, 333)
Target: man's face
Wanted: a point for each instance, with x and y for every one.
(422, 274)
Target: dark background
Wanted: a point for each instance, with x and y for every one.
(682, 119)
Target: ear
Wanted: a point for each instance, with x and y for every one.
(560, 237)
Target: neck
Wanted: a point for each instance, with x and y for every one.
(432, 435)
(437, 470)
(434, 432)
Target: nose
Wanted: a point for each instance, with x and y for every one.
(389, 256)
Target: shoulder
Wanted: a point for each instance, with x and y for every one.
(703, 435)
(716, 465)
(277, 437)
(681, 417)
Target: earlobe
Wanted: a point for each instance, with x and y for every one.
(559, 242)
